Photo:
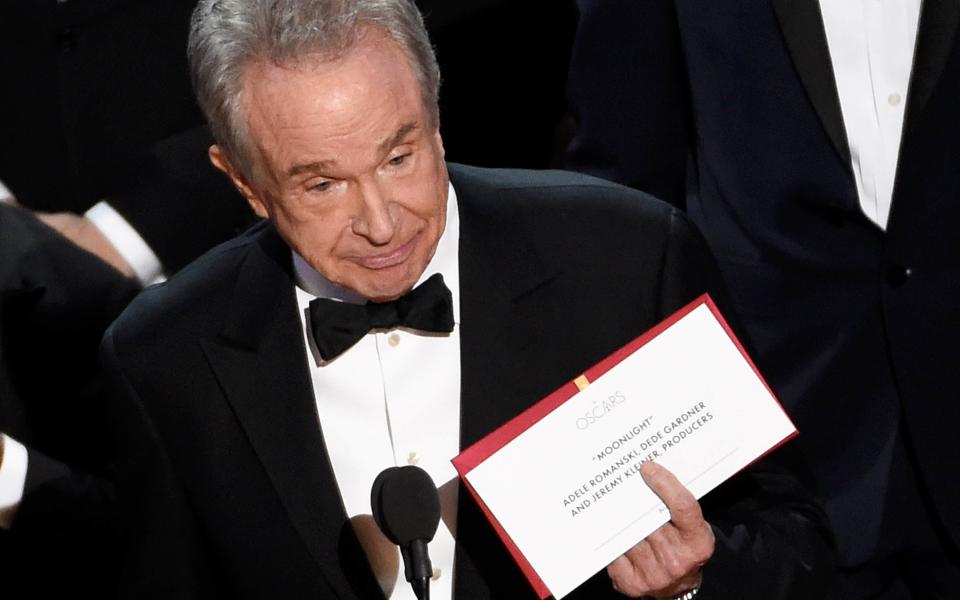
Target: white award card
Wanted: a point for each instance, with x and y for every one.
(567, 490)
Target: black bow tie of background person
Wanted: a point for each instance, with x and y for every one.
(337, 326)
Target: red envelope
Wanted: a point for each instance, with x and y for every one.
(476, 454)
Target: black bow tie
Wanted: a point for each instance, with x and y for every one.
(339, 325)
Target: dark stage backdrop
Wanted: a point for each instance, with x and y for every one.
(90, 86)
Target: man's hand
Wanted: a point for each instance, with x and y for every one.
(668, 562)
(85, 234)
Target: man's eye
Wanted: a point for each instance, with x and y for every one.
(321, 187)
(396, 161)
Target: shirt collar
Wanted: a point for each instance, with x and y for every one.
(445, 261)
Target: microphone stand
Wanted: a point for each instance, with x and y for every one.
(421, 570)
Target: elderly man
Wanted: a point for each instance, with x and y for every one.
(263, 389)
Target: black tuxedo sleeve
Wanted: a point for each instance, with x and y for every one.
(55, 302)
(63, 541)
(773, 539)
(158, 524)
(180, 204)
(627, 91)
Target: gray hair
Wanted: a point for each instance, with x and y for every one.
(227, 36)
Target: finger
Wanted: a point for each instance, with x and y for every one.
(683, 552)
(684, 509)
(663, 570)
(654, 567)
(628, 572)
(678, 569)
(676, 558)
(666, 546)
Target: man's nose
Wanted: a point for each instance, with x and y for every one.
(375, 220)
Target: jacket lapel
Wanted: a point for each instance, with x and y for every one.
(500, 284)
(261, 363)
(802, 26)
(935, 38)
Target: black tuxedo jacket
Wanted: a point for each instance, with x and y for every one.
(97, 104)
(854, 326)
(91, 86)
(55, 303)
(225, 476)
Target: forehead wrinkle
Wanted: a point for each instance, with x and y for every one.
(384, 146)
(282, 130)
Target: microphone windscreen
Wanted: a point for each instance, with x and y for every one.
(405, 504)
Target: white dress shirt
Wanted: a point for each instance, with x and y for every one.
(141, 258)
(871, 46)
(390, 400)
(13, 476)
(5, 195)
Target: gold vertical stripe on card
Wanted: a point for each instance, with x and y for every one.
(582, 382)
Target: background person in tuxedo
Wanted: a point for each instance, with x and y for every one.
(252, 438)
(96, 103)
(94, 90)
(814, 144)
(55, 302)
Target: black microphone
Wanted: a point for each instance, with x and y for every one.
(406, 506)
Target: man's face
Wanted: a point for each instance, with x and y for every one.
(350, 165)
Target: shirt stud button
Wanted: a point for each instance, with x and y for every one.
(897, 275)
(394, 340)
(66, 40)
(894, 99)
(436, 573)
(412, 458)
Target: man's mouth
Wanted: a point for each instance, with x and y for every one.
(390, 258)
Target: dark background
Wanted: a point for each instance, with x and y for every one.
(504, 67)
(88, 86)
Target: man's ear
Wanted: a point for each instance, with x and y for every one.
(439, 140)
(220, 161)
